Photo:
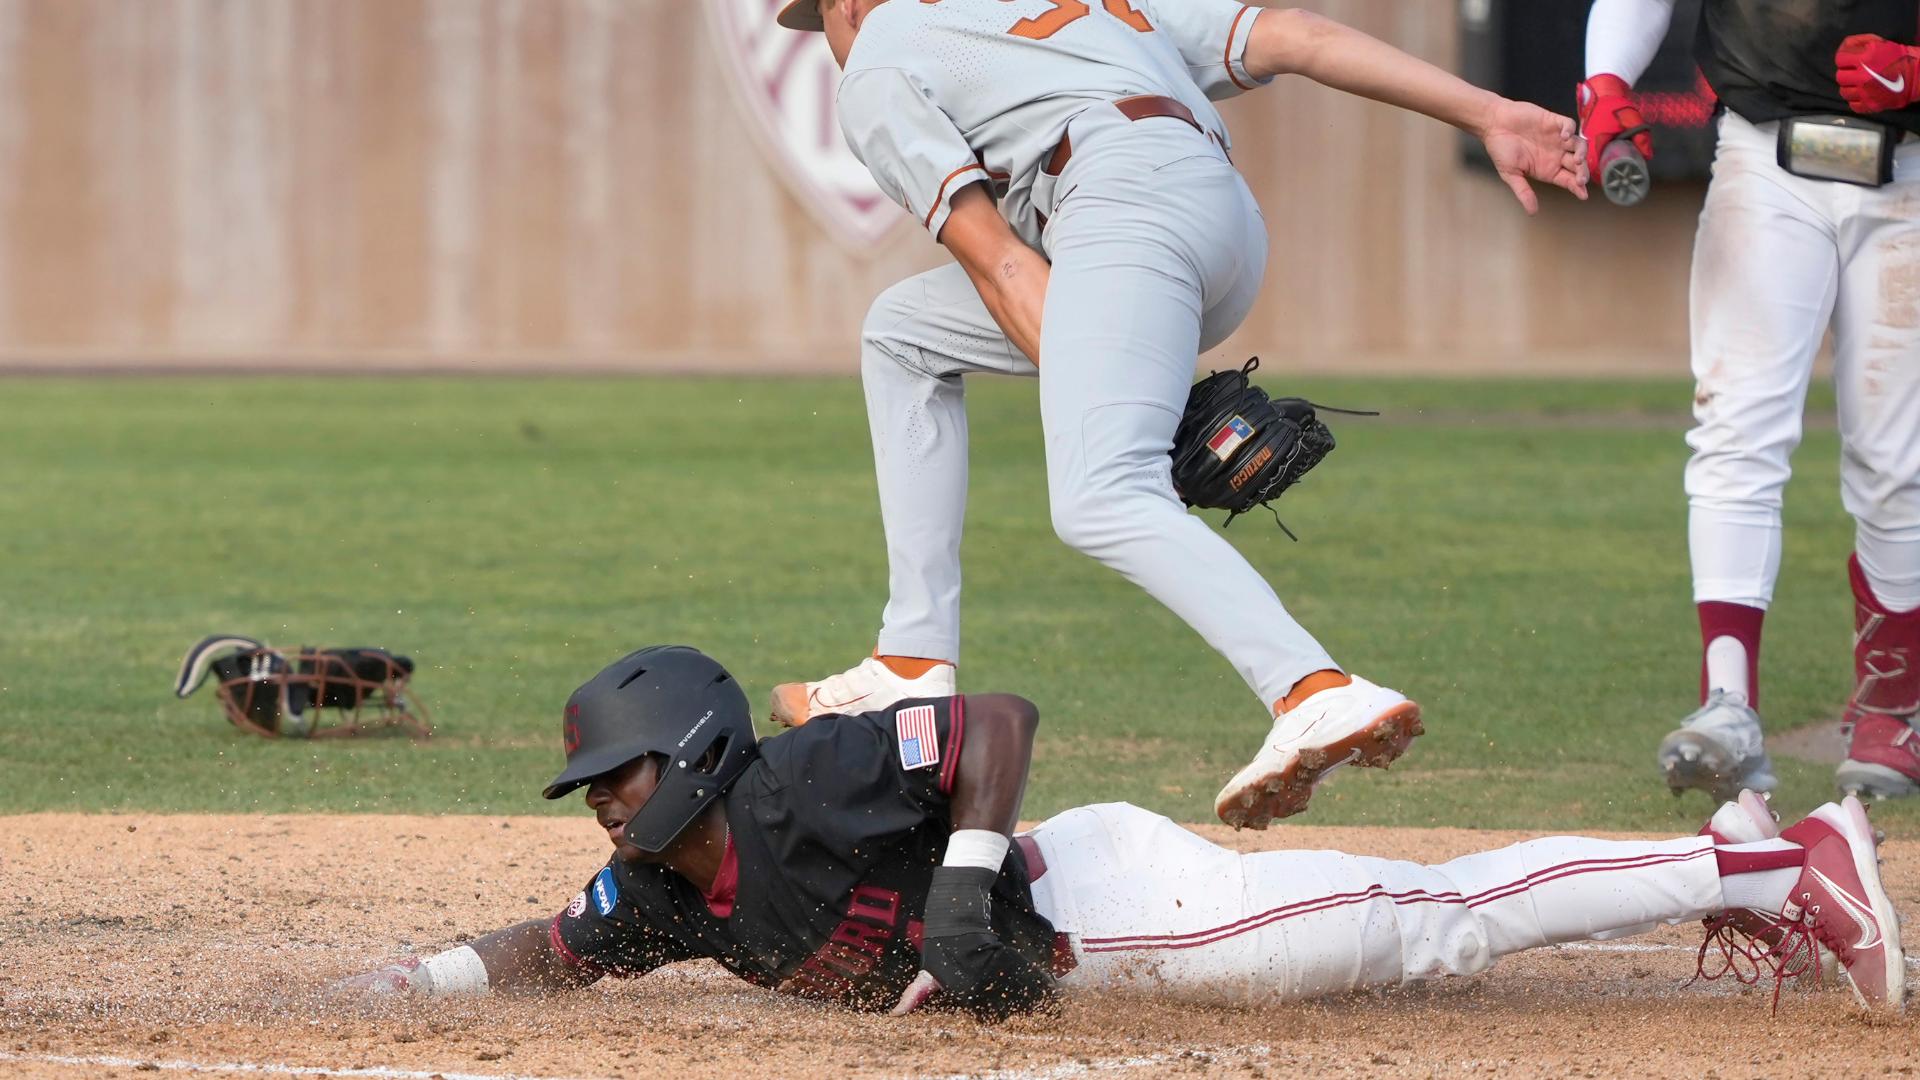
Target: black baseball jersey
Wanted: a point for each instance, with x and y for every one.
(835, 832)
(1771, 59)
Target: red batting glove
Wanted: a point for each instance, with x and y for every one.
(1606, 113)
(1876, 74)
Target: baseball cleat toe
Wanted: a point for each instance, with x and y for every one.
(1279, 783)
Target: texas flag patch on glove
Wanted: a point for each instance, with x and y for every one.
(1229, 438)
(919, 739)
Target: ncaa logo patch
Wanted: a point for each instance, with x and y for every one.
(919, 738)
(605, 892)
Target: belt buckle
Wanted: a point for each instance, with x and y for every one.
(1842, 149)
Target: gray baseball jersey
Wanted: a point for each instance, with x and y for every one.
(940, 94)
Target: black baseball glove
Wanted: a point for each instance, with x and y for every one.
(1236, 448)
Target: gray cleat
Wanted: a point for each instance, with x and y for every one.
(1718, 750)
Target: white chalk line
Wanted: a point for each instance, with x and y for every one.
(1069, 1069)
(1063, 1071)
(265, 1068)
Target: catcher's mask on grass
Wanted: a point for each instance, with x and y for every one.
(669, 700)
(272, 693)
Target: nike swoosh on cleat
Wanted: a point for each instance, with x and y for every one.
(1858, 912)
(814, 698)
(1898, 86)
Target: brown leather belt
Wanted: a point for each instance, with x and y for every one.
(1145, 107)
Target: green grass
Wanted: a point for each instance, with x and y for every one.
(1511, 553)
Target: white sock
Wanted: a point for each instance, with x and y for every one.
(1890, 561)
(1735, 554)
(1727, 667)
(1761, 890)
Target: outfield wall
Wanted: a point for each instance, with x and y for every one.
(544, 182)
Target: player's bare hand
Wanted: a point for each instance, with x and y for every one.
(923, 987)
(1526, 142)
(402, 978)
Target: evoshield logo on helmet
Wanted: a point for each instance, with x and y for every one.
(694, 730)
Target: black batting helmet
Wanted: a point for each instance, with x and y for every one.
(670, 700)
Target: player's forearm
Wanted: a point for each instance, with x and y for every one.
(1295, 42)
(1010, 276)
(1624, 35)
(1014, 288)
(521, 957)
(991, 779)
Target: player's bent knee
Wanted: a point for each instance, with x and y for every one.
(890, 311)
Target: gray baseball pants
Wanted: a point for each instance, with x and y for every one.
(1158, 250)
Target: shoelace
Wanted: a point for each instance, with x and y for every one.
(1796, 953)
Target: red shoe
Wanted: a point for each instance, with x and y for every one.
(1839, 902)
(1742, 934)
(1883, 758)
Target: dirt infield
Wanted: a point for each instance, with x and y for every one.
(131, 945)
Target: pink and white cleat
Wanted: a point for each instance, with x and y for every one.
(1742, 934)
(1357, 724)
(1839, 902)
(868, 686)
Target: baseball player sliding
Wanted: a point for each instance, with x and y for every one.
(867, 860)
(1812, 221)
(1068, 154)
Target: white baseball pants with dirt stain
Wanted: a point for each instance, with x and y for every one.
(1778, 259)
(1158, 250)
(1150, 906)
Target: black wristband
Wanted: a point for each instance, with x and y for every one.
(959, 901)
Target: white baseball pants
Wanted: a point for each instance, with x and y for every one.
(1158, 250)
(1777, 260)
(1151, 906)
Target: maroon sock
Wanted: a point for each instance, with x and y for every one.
(1753, 862)
(1719, 619)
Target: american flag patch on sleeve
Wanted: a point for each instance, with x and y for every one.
(919, 739)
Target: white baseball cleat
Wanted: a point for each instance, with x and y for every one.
(866, 687)
(1357, 724)
(1719, 749)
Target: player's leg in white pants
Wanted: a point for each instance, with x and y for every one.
(920, 338)
(1766, 271)
(1877, 377)
(1153, 907)
(1158, 250)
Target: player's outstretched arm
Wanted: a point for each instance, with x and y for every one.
(961, 954)
(1010, 276)
(518, 958)
(1525, 141)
